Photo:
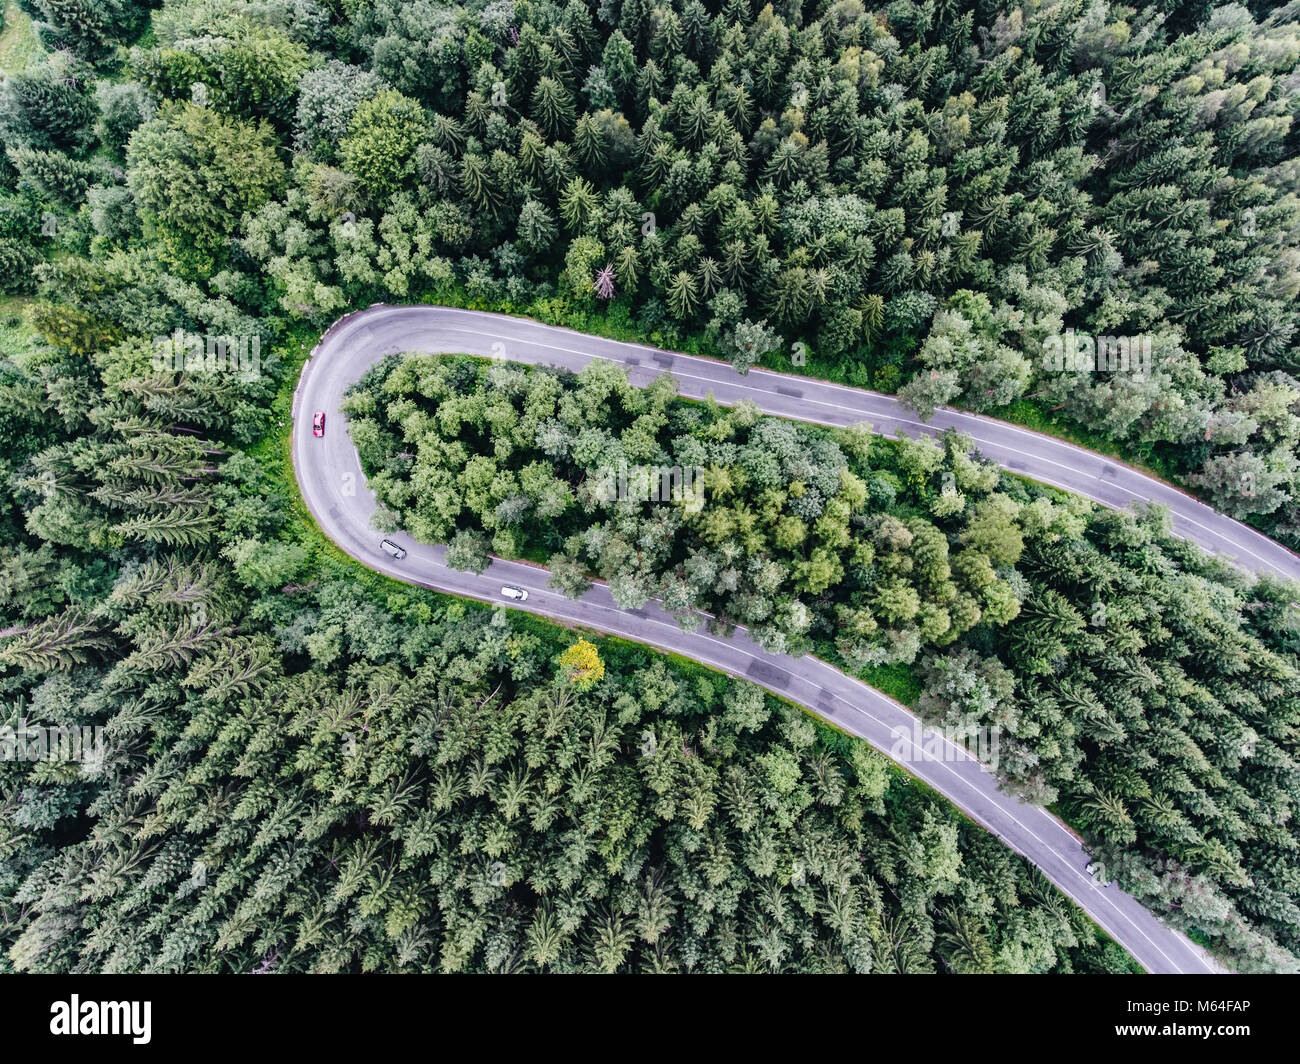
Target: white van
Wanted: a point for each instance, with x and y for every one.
(389, 547)
(516, 593)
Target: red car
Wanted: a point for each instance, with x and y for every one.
(318, 423)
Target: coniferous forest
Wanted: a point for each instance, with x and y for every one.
(307, 767)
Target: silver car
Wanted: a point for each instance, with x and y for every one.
(389, 547)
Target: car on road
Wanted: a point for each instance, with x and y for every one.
(517, 593)
(318, 423)
(389, 547)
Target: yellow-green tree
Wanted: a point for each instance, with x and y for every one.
(583, 665)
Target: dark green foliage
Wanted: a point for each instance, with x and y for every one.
(90, 28)
(915, 197)
(50, 107)
(1130, 679)
(1157, 697)
(348, 790)
(194, 172)
(55, 177)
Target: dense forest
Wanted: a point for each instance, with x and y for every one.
(318, 782)
(1152, 691)
(930, 197)
(307, 769)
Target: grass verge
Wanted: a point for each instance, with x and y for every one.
(19, 46)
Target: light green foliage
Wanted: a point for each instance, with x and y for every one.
(263, 566)
(748, 518)
(194, 172)
(380, 146)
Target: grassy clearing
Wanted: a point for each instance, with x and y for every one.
(19, 46)
(17, 337)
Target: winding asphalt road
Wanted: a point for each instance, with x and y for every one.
(334, 488)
